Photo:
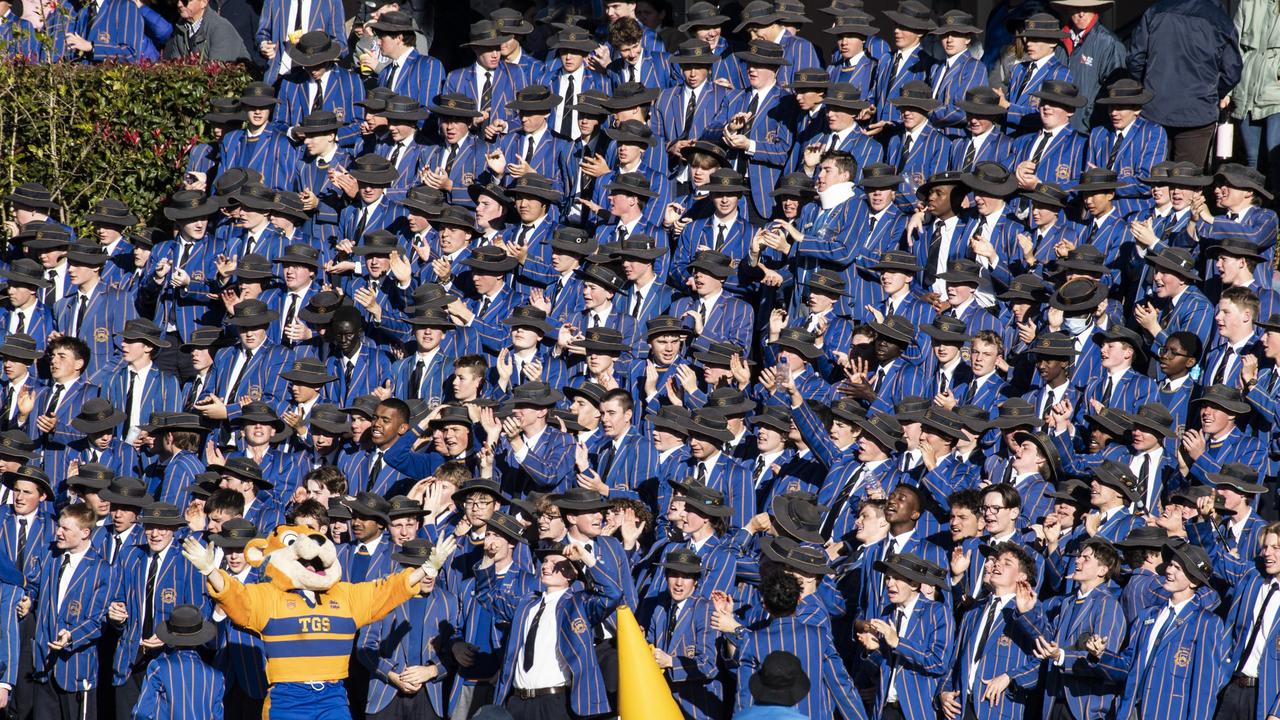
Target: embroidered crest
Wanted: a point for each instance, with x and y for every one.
(579, 625)
(917, 179)
(255, 392)
(73, 608)
(772, 137)
(169, 596)
(1063, 172)
(1126, 172)
(689, 651)
(197, 276)
(1182, 658)
(291, 604)
(340, 113)
(104, 37)
(793, 486)
(1005, 642)
(333, 605)
(100, 335)
(468, 178)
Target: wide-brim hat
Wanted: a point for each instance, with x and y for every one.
(1060, 92)
(895, 327)
(851, 23)
(1082, 3)
(637, 246)
(763, 52)
(1177, 261)
(580, 500)
(670, 418)
(413, 553)
(1236, 247)
(827, 282)
(162, 514)
(956, 22)
(682, 560)
(258, 95)
(17, 444)
(912, 16)
(884, 429)
(708, 425)
(1047, 451)
(87, 254)
(320, 122)
(896, 261)
(759, 13)
(507, 526)
(97, 415)
(1014, 413)
(244, 469)
(1118, 477)
(726, 181)
(32, 195)
(490, 259)
(110, 211)
(1125, 92)
(845, 96)
(1155, 418)
(1079, 295)
(907, 566)
(314, 48)
(253, 313)
(186, 627)
(191, 205)
(629, 95)
(695, 53)
(1047, 194)
(702, 15)
(1027, 287)
(202, 338)
(174, 422)
(794, 185)
(1042, 26)
(328, 418)
(454, 105)
(1113, 421)
(530, 317)
(308, 371)
(799, 515)
(485, 34)
(373, 169)
(991, 178)
(1097, 180)
(912, 408)
(25, 271)
(127, 492)
(1243, 178)
(32, 474)
(1194, 560)
(879, 176)
(535, 394)
(234, 535)
(781, 680)
(943, 422)
(788, 552)
(572, 37)
(92, 476)
(404, 110)
(371, 505)
(728, 402)
(40, 236)
(534, 99)
(632, 183)
(712, 262)
(1224, 397)
(982, 101)
(535, 186)
(916, 95)
(1239, 477)
(604, 340)
(1119, 333)
(1152, 537)
(702, 499)
(800, 340)
(20, 346)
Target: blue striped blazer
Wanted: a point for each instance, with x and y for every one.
(918, 66)
(1133, 391)
(577, 612)
(1236, 447)
(40, 539)
(1181, 676)
(873, 600)
(1258, 225)
(57, 445)
(419, 77)
(919, 663)
(10, 646)
(409, 636)
(507, 80)
(101, 327)
(731, 477)
(1006, 649)
(270, 153)
(771, 132)
(160, 393)
(275, 24)
(83, 611)
(1022, 115)
(1192, 313)
(799, 54)
(669, 110)
(1145, 144)
(177, 583)
(118, 32)
(656, 72)
(730, 320)
(190, 307)
(1245, 596)
(950, 80)
(548, 466)
(180, 685)
(996, 147)
(694, 675)
(343, 91)
(860, 74)
(372, 370)
(928, 157)
(261, 379)
(1062, 159)
(830, 687)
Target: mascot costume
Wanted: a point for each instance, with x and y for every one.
(306, 615)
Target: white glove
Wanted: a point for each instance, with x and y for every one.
(439, 556)
(201, 557)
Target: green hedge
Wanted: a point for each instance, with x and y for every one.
(112, 130)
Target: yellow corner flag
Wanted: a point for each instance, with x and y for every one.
(643, 693)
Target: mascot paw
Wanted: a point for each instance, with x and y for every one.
(201, 557)
(440, 555)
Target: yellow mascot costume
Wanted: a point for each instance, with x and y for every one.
(306, 615)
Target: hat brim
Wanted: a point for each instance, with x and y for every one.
(630, 190)
(114, 220)
(922, 25)
(1076, 102)
(90, 427)
(783, 519)
(1090, 302)
(121, 500)
(615, 103)
(717, 271)
(262, 320)
(783, 697)
(937, 334)
(752, 58)
(882, 329)
(307, 61)
(924, 105)
(20, 353)
(1160, 261)
(981, 109)
(208, 631)
(707, 22)
(1230, 406)
(207, 208)
(771, 552)
(374, 177)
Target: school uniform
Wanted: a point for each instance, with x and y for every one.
(471, 80)
(408, 637)
(967, 151)
(56, 445)
(68, 594)
(858, 71)
(895, 70)
(1190, 311)
(1059, 158)
(545, 467)
(339, 92)
(99, 324)
(830, 687)
(369, 370)
(463, 163)
(671, 109)
(158, 392)
(259, 379)
(950, 79)
(1025, 79)
(654, 71)
(728, 320)
(917, 161)
(117, 31)
(180, 685)
(413, 75)
(179, 311)
(281, 19)
(1173, 666)
(1131, 155)
(988, 644)
(911, 673)
(733, 240)
(770, 131)
(683, 631)
(270, 151)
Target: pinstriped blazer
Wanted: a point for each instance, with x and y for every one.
(918, 665)
(180, 685)
(82, 611)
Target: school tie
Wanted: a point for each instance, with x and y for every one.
(1144, 475)
(415, 378)
(391, 76)
(1107, 388)
(970, 154)
(757, 474)
(22, 322)
(605, 461)
(531, 637)
(297, 15)
(240, 376)
(566, 115)
(375, 469)
(906, 152)
(317, 99)
(1115, 150)
(636, 302)
(703, 312)
(82, 305)
(838, 504)
(149, 600)
(348, 368)
(360, 564)
(396, 152)
(673, 618)
(988, 620)
(528, 150)
(1008, 473)
(51, 293)
(1220, 374)
(894, 67)
(592, 320)
(358, 235)
(832, 142)
(484, 306)
(620, 235)
(719, 237)
(523, 237)
(690, 108)
(871, 226)
(943, 381)
(752, 107)
(184, 254)
(451, 158)
(8, 400)
(128, 401)
(701, 474)
(631, 73)
(1022, 81)
(62, 571)
(486, 93)
(52, 406)
(1257, 625)
(194, 393)
(1233, 217)
(291, 313)
(116, 542)
(1038, 151)
(22, 543)
(890, 550)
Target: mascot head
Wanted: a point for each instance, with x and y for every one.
(296, 557)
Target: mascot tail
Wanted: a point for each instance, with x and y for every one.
(643, 693)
